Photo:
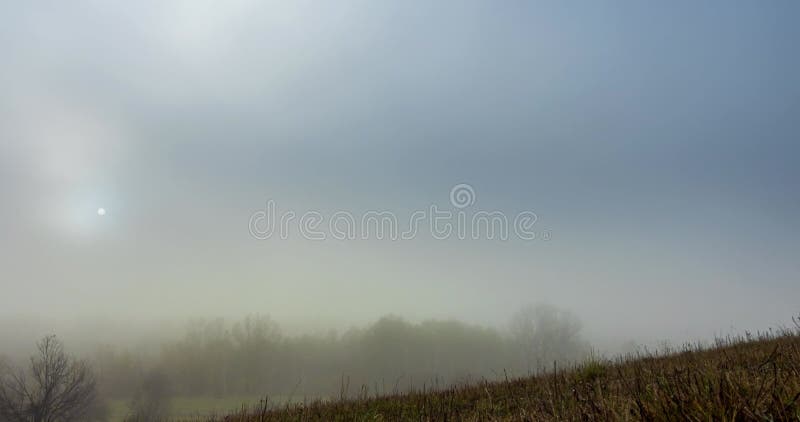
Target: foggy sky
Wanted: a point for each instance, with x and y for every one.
(656, 142)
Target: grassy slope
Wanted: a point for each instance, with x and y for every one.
(737, 379)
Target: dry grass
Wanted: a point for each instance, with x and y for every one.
(743, 378)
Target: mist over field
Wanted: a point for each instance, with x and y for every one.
(608, 175)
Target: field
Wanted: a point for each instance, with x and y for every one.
(742, 378)
(188, 407)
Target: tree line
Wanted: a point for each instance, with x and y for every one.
(253, 357)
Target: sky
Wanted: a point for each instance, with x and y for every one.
(655, 143)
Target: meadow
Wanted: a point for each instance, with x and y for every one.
(749, 377)
(187, 407)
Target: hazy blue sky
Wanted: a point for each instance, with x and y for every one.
(657, 143)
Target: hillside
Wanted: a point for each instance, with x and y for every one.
(742, 378)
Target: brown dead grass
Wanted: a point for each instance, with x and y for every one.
(742, 378)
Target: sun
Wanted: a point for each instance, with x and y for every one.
(101, 212)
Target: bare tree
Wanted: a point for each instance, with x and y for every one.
(546, 334)
(55, 388)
